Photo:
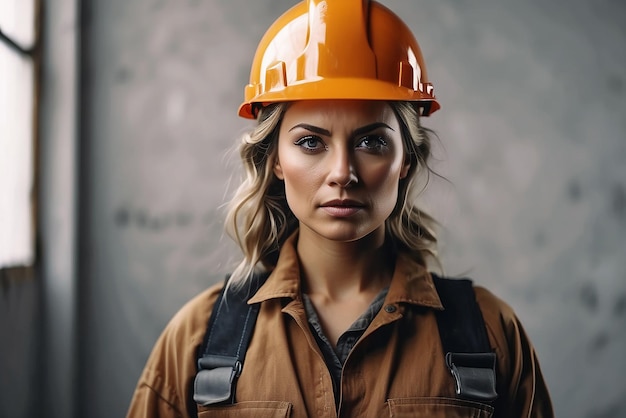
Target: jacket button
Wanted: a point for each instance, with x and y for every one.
(390, 308)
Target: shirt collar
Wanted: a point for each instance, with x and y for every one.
(284, 280)
(411, 283)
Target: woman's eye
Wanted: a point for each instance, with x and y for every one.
(372, 143)
(310, 143)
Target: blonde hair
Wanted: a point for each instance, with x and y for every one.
(259, 220)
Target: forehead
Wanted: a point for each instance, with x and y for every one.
(348, 113)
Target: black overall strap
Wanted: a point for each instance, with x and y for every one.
(225, 344)
(463, 335)
(461, 327)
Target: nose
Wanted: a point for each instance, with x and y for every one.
(342, 170)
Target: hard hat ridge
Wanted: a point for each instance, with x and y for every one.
(336, 29)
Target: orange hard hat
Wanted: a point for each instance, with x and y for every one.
(338, 49)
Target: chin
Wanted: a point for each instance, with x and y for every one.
(347, 233)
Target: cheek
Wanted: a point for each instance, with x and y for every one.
(383, 182)
(298, 170)
(301, 181)
(382, 175)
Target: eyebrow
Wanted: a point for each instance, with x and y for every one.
(359, 131)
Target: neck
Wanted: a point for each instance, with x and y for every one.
(337, 270)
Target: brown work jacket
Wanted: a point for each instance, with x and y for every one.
(396, 369)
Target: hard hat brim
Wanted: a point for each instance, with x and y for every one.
(339, 89)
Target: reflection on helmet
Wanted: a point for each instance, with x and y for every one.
(338, 49)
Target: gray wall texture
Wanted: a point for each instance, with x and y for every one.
(532, 138)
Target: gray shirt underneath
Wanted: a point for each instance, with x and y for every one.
(335, 358)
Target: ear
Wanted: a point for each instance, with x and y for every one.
(405, 169)
(278, 170)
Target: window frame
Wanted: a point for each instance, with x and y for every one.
(17, 273)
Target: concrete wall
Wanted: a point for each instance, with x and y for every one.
(532, 138)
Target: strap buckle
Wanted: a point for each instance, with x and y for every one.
(474, 375)
(215, 380)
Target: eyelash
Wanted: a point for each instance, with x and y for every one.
(381, 143)
(302, 143)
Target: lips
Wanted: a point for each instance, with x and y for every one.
(343, 203)
(342, 208)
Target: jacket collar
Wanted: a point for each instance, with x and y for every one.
(411, 283)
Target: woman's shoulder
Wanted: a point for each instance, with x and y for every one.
(492, 306)
(522, 389)
(191, 319)
(185, 330)
(164, 382)
(504, 328)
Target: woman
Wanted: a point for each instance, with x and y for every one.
(347, 322)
